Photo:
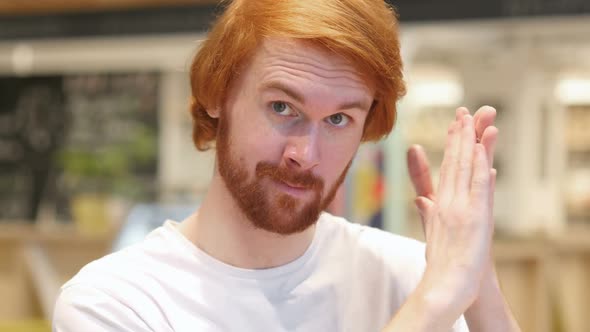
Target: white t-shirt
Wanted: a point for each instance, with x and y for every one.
(351, 278)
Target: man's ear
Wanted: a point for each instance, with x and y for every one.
(214, 113)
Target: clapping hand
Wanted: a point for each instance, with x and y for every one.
(457, 219)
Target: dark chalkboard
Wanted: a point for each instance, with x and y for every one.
(63, 135)
(32, 120)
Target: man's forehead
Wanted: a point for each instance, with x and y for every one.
(300, 50)
(280, 54)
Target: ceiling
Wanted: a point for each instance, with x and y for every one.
(31, 7)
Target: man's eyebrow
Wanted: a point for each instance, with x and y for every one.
(294, 94)
(274, 85)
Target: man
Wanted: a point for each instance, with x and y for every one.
(288, 90)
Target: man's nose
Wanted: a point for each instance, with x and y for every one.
(302, 151)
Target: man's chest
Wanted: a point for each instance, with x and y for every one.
(309, 306)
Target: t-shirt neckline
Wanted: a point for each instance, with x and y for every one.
(213, 263)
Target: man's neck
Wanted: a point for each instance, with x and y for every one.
(221, 229)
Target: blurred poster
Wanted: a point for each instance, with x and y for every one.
(365, 186)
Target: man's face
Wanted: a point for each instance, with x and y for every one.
(288, 132)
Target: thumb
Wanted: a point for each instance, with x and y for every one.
(424, 206)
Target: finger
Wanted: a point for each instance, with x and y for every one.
(465, 163)
(460, 113)
(489, 140)
(419, 170)
(424, 206)
(480, 181)
(421, 206)
(446, 185)
(493, 176)
(483, 118)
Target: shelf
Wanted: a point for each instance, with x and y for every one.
(63, 234)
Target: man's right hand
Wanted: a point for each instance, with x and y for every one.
(458, 227)
(458, 224)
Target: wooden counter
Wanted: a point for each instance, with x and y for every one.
(35, 262)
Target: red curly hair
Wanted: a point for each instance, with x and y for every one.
(365, 32)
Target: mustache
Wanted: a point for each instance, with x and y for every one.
(300, 179)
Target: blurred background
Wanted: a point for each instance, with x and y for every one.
(96, 150)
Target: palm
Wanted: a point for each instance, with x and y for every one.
(418, 166)
(457, 220)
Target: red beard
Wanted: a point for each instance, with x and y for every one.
(280, 213)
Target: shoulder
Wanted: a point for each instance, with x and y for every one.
(402, 257)
(116, 289)
(83, 307)
(111, 273)
(121, 266)
(373, 240)
(158, 251)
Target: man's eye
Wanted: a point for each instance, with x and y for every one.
(281, 108)
(338, 119)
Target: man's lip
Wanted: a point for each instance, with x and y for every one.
(294, 186)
